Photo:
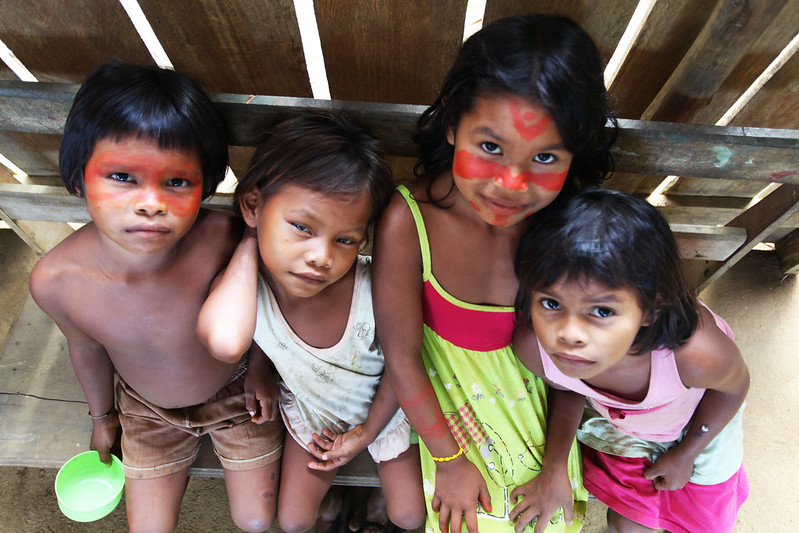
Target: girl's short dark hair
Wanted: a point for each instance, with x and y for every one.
(120, 100)
(619, 240)
(325, 151)
(549, 61)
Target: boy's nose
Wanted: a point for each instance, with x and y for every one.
(320, 255)
(150, 203)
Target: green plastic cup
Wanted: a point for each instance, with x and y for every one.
(87, 489)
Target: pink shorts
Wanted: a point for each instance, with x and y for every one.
(619, 483)
(157, 442)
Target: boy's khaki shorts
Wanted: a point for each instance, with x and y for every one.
(157, 442)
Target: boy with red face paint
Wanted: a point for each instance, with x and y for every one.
(519, 124)
(144, 146)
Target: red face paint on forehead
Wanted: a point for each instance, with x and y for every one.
(529, 124)
(469, 166)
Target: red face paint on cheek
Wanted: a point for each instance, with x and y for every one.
(185, 206)
(529, 124)
(469, 166)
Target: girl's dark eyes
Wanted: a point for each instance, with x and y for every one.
(299, 226)
(346, 241)
(545, 158)
(120, 176)
(549, 303)
(178, 182)
(491, 148)
(602, 312)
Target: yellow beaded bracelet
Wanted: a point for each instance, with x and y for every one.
(450, 458)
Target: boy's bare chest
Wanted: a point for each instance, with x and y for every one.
(146, 316)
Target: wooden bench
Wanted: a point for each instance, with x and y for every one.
(42, 409)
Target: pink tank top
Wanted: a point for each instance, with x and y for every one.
(661, 415)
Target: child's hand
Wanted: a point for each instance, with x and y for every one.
(336, 449)
(459, 488)
(261, 394)
(104, 434)
(542, 496)
(671, 471)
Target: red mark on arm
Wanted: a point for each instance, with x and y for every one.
(428, 421)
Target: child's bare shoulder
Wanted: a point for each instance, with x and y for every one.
(55, 271)
(709, 353)
(215, 230)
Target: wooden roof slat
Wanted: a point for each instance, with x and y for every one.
(235, 46)
(642, 146)
(780, 26)
(667, 35)
(724, 40)
(776, 104)
(605, 22)
(379, 51)
(62, 41)
(36, 154)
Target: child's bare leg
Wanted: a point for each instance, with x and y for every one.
(153, 504)
(253, 496)
(621, 524)
(301, 489)
(401, 481)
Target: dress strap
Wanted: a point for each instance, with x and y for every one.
(424, 244)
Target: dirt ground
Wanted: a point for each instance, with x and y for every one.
(759, 303)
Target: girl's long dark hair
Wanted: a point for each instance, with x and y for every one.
(547, 60)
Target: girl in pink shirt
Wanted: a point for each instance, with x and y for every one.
(614, 321)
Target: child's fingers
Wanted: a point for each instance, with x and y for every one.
(321, 442)
(250, 403)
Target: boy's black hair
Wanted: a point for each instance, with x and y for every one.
(322, 150)
(547, 60)
(619, 240)
(119, 100)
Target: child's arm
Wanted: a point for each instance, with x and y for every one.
(337, 449)
(397, 292)
(227, 319)
(551, 489)
(261, 391)
(709, 360)
(90, 360)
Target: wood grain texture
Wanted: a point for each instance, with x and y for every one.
(377, 51)
(62, 41)
(665, 38)
(241, 46)
(605, 22)
(724, 40)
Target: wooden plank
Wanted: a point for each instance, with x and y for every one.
(236, 46)
(707, 242)
(779, 27)
(666, 36)
(759, 220)
(40, 236)
(605, 22)
(642, 147)
(776, 104)
(378, 51)
(788, 252)
(723, 42)
(35, 153)
(62, 41)
(43, 410)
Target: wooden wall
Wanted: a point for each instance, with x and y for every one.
(689, 63)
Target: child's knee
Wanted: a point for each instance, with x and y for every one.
(408, 518)
(253, 520)
(296, 524)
